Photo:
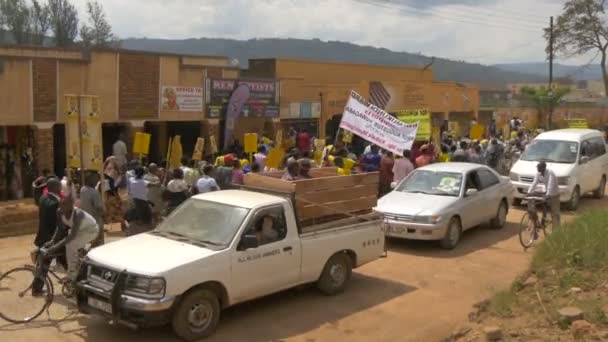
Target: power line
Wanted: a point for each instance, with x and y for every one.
(507, 14)
(515, 48)
(409, 10)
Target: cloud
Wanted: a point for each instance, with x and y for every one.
(486, 31)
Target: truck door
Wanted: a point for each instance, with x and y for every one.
(275, 263)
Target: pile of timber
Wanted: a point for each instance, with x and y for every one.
(324, 197)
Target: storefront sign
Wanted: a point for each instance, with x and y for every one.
(577, 123)
(263, 100)
(182, 99)
(423, 117)
(304, 110)
(377, 126)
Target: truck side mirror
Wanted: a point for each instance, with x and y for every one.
(248, 242)
(585, 160)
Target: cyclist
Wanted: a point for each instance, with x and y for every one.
(83, 229)
(547, 178)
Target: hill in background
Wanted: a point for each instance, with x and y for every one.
(333, 51)
(588, 72)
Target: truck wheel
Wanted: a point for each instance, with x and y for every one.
(452, 235)
(197, 315)
(575, 199)
(336, 274)
(601, 190)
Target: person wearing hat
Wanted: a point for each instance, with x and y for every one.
(425, 157)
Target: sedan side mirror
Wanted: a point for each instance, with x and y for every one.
(584, 160)
(470, 192)
(248, 242)
(393, 185)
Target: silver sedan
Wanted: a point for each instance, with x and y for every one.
(440, 201)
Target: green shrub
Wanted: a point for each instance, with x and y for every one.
(580, 244)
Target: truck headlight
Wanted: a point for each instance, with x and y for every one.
(428, 219)
(146, 287)
(563, 180)
(513, 176)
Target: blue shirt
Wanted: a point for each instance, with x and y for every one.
(138, 189)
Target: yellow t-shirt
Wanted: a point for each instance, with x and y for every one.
(343, 172)
(514, 135)
(443, 158)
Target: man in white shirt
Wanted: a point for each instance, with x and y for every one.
(548, 178)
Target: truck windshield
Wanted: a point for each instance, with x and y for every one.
(205, 222)
(551, 151)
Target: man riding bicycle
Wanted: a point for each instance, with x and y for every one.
(547, 178)
(83, 229)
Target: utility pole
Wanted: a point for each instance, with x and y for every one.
(550, 92)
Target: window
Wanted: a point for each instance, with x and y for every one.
(487, 178)
(268, 226)
(473, 181)
(599, 146)
(587, 149)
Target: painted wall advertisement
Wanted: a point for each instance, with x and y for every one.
(183, 99)
(263, 99)
(377, 126)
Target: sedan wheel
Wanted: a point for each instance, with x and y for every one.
(575, 199)
(452, 236)
(501, 216)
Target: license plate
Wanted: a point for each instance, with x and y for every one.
(100, 305)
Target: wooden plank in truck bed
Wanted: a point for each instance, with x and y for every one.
(324, 183)
(306, 212)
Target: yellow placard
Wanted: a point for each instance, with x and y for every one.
(213, 144)
(278, 139)
(577, 123)
(176, 152)
(423, 117)
(347, 137)
(251, 142)
(476, 132)
(454, 127)
(436, 137)
(273, 160)
(90, 133)
(72, 112)
(198, 149)
(141, 143)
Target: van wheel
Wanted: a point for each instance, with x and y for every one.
(601, 191)
(501, 216)
(336, 274)
(452, 235)
(197, 315)
(575, 199)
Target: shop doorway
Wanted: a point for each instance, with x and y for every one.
(59, 157)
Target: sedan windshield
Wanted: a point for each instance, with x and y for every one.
(204, 222)
(551, 151)
(432, 183)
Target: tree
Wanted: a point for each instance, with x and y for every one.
(63, 22)
(39, 22)
(544, 100)
(16, 17)
(581, 28)
(99, 31)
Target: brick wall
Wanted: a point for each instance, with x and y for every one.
(44, 74)
(138, 93)
(43, 151)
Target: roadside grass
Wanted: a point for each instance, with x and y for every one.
(574, 256)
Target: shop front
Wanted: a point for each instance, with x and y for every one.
(17, 161)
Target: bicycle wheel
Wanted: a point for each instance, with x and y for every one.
(18, 303)
(527, 233)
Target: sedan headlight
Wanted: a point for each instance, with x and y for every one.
(563, 180)
(428, 219)
(146, 287)
(513, 176)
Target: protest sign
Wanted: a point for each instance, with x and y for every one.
(199, 148)
(377, 126)
(422, 117)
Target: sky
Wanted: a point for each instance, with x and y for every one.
(480, 31)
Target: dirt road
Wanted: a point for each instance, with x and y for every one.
(418, 293)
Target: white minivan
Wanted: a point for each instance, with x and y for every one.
(578, 158)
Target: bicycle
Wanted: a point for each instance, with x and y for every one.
(24, 277)
(529, 228)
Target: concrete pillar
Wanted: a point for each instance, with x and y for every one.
(43, 151)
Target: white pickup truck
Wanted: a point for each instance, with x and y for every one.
(217, 250)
